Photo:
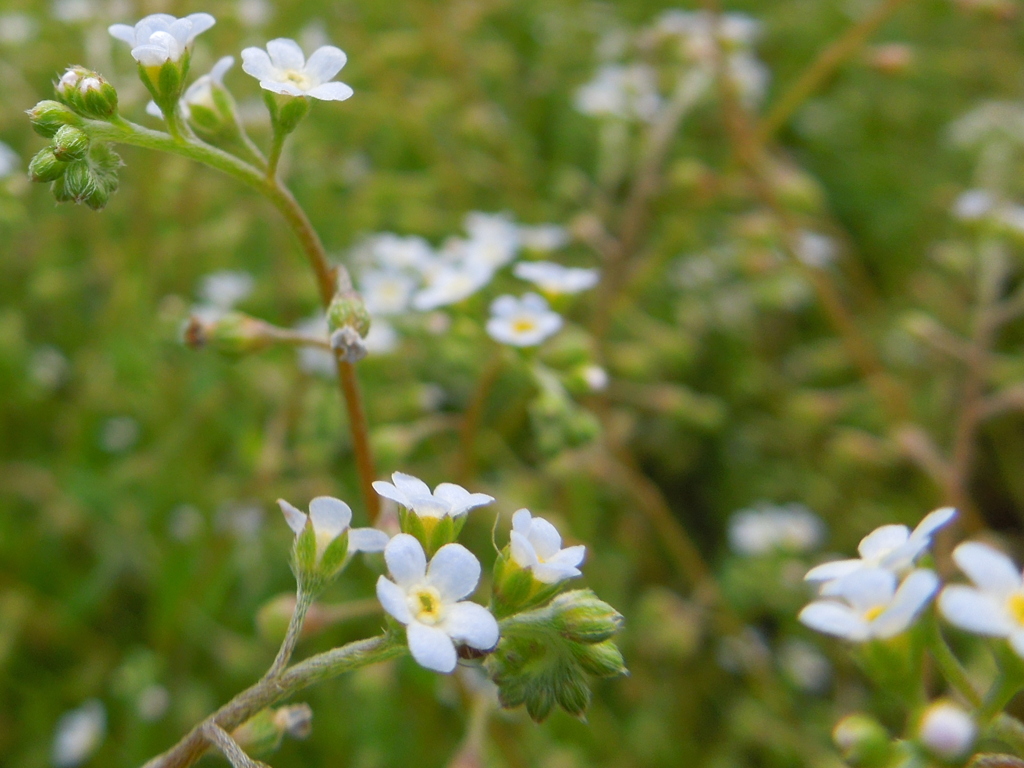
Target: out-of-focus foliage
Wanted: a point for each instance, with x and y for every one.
(138, 539)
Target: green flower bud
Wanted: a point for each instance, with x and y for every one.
(166, 81)
(79, 181)
(347, 310)
(601, 659)
(49, 116)
(263, 732)
(286, 112)
(70, 143)
(45, 166)
(581, 617)
(87, 93)
(232, 334)
(862, 740)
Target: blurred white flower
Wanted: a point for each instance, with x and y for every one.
(448, 499)
(893, 547)
(429, 601)
(185, 523)
(451, 284)
(523, 322)
(624, 92)
(867, 604)
(315, 360)
(1011, 217)
(394, 252)
(253, 13)
(805, 665)
(992, 121)
(947, 731)
(200, 93)
(543, 237)
(770, 527)
(243, 521)
(9, 160)
(119, 434)
(79, 733)
(699, 28)
(974, 205)
(48, 367)
(282, 68)
(226, 288)
(493, 240)
(152, 702)
(330, 518)
(596, 377)
(815, 250)
(161, 37)
(386, 292)
(536, 546)
(17, 28)
(554, 279)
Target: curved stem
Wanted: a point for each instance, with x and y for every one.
(948, 663)
(303, 600)
(124, 132)
(1003, 689)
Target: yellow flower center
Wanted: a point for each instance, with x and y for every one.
(299, 78)
(873, 613)
(426, 605)
(1015, 605)
(523, 325)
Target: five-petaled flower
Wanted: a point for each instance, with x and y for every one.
(994, 606)
(893, 547)
(523, 322)
(537, 546)
(867, 604)
(161, 37)
(555, 279)
(283, 68)
(447, 500)
(429, 601)
(330, 518)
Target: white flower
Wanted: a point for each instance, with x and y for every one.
(805, 665)
(543, 237)
(161, 37)
(451, 284)
(596, 377)
(999, 121)
(974, 205)
(330, 518)
(447, 500)
(554, 278)
(815, 250)
(8, 160)
(868, 605)
(283, 68)
(429, 601)
(947, 731)
(493, 239)
(1011, 217)
(537, 546)
(393, 252)
(523, 322)
(769, 527)
(382, 337)
(200, 93)
(386, 292)
(995, 605)
(17, 28)
(79, 733)
(316, 360)
(626, 92)
(226, 288)
(893, 547)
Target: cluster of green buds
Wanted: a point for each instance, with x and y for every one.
(78, 169)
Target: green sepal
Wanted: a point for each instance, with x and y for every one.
(432, 532)
(512, 586)
(304, 554)
(334, 557)
(286, 112)
(46, 166)
(601, 659)
(203, 119)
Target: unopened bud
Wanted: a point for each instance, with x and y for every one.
(947, 731)
(49, 116)
(581, 617)
(602, 659)
(166, 81)
(348, 344)
(263, 732)
(70, 143)
(45, 166)
(87, 93)
(347, 310)
(231, 333)
(862, 740)
(79, 182)
(286, 112)
(296, 720)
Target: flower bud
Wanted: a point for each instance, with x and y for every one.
(232, 333)
(49, 116)
(581, 617)
(263, 732)
(87, 93)
(862, 740)
(347, 310)
(45, 166)
(286, 112)
(947, 731)
(602, 659)
(166, 81)
(70, 143)
(79, 182)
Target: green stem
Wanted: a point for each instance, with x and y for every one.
(1004, 689)
(276, 147)
(948, 663)
(303, 600)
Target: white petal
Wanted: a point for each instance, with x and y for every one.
(471, 624)
(571, 556)
(522, 550)
(394, 600)
(552, 573)
(521, 521)
(122, 32)
(883, 539)
(287, 88)
(544, 537)
(454, 571)
(224, 63)
(1017, 642)
(409, 485)
(534, 302)
(503, 306)
(325, 63)
(153, 110)
(200, 22)
(431, 647)
(459, 499)
(987, 567)
(834, 618)
(331, 92)
(974, 611)
(256, 62)
(366, 540)
(286, 54)
(181, 31)
(933, 521)
(151, 55)
(833, 570)
(388, 491)
(406, 559)
(296, 519)
(330, 516)
(864, 589)
(913, 594)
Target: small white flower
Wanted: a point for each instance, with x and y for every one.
(1011, 217)
(451, 284)
(537, 546)
(815, 250)
(974, 205)
(283, 68)
(330, 518)
(493, 239)
(523, 322)
(226, 288)
(767, 528)
(947, 731)
(893, 547)
(625, 92)
(79, 733)
(867, 604)
(992, 121)
(596, 377)
(394, 252)
(8, 160)
(447, 500)
(429, 601)
(160, 37)
(17, 28)
(555, 279)
(805, 665)
(543, 237)
(995, 605)
(386, 292)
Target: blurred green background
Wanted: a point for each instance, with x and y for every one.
(138, 535)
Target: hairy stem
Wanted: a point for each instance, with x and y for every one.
(303, 600)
